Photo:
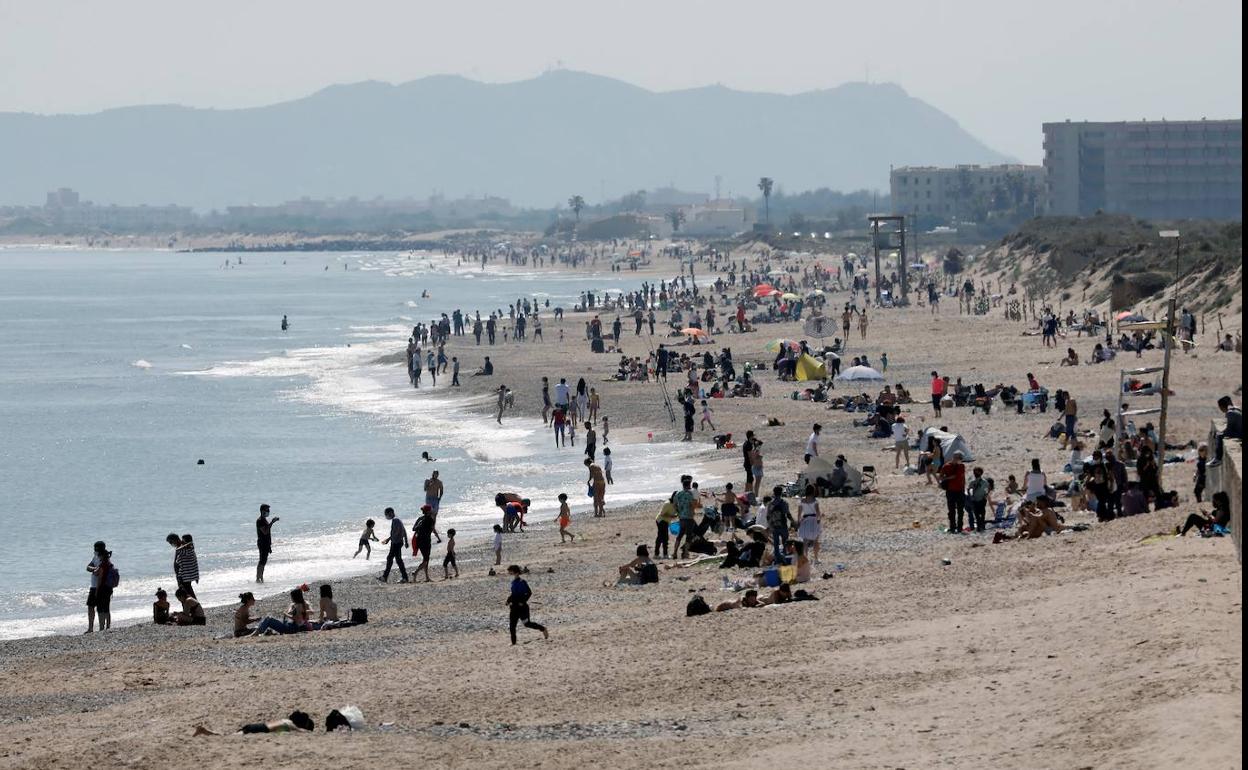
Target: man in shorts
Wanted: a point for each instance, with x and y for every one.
(433, 492)
(938, 392)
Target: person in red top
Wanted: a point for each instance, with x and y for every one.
(938, 392)
(953, 480)
(740, 317)
(1032, 383)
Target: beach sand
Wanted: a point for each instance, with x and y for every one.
(1104, 648)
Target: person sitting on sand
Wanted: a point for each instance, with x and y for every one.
(1071, 359)
(328, 607)
(1208, 524)
(295, 620)
(242, 615)
(748, 599)
(160, 609)
(1036, 519)
(746, 555)
(640, 570)
(192, 613)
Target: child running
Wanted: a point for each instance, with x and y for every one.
(366, 536)
(565, 519)
(448, 561)
(518, 601)
(706, 416)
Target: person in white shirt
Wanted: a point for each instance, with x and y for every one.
(562, 394)
(812, 443)
(1035, 482)
(901, 442)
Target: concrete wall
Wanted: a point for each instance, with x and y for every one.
(1228, 478)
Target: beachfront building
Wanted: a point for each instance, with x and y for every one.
(944, 194)
(716, 218)
(65, 210)
(1190, 169)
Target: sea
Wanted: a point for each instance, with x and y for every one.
(121, 369)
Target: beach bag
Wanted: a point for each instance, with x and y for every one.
(359, 616)
(649, 573)
(113, 578)
(697, 606)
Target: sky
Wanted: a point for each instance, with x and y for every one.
(998, 68)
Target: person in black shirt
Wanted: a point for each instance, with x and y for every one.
(264, 539)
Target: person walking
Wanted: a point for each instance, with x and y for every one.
(1071, 413)
(396, 540)
(185, 562)
(901, 442)
(264, 539)
(518, 602)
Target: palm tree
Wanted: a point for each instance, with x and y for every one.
(576, 203)
(765, 184)
(677, 218)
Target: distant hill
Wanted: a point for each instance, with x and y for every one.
(535, 141)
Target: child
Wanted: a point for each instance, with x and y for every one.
(518, 601)
(242, 615)
(607, 464)
(565, 518)
(329, 608)
(883, 362)
(571, 432)
(365, 536)
(606, 428)
(448, 561)
(1202, 462)
(706, 417)
(160, 609)
(498, 544)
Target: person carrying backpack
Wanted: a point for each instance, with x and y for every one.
(104, 578)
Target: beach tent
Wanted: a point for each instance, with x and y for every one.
(810, 368)
(864, 373)
(949, 443)
(821, 468)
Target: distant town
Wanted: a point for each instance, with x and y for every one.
(1163, 170)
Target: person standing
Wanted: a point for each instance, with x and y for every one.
(953, 480)
(518, 602)
(100, 593)
(591, 441)
(502, 402)
(812, 443)
(185, 562)
(689, 410)
(978, 493)
(901, 442)
(433, 492)
(685, 500)
(264, 539)
(545, 401)
(1071, 413)
(938, 392)
(747, 455)
(396, 540)
(779, 522)
(598, 487)
(454, 371)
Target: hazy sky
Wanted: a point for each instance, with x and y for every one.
(999, 68)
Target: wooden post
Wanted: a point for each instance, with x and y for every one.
(1168, 337)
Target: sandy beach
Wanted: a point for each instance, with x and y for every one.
(1102, 648)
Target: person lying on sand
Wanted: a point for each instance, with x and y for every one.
(748, 599)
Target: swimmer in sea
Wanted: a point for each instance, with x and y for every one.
(425, 456)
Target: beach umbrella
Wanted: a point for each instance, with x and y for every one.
(788, 296)
(1131, 317)
(694, 332)
(763, 289)
(777, 344)
(816, 293)
(862, 373)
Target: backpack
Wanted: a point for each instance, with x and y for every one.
(697, 606)
(112, 578)
(649, 573)
(359, 615)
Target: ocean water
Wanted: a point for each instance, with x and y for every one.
(120, 369)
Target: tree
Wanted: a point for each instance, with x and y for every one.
(677, 218)
(765, 184)
(576, 203)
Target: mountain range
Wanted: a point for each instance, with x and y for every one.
(535, 141)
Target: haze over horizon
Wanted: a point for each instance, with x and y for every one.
(999, 70)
